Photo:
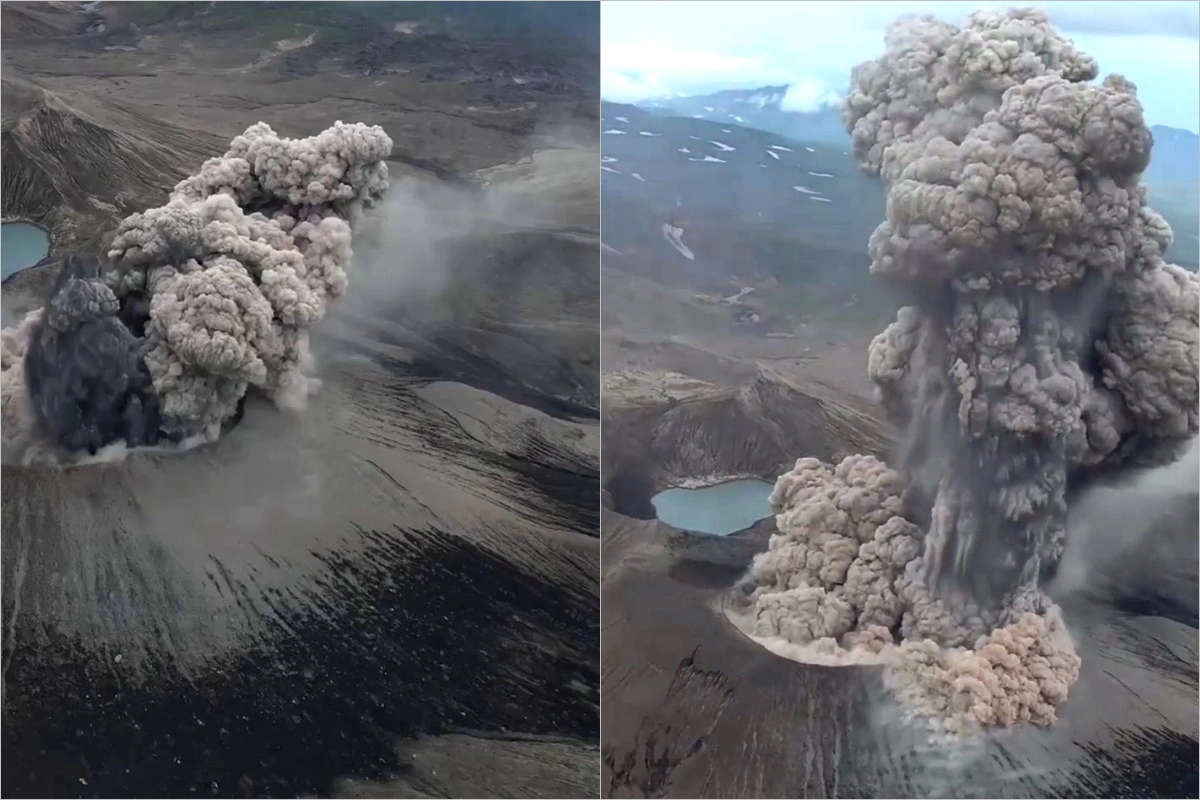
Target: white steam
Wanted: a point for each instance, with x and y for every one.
(808, 95)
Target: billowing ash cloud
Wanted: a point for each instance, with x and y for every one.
(1048, 347)
(199, 300)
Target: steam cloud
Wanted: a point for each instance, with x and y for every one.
(198, 300)
(1049, 347)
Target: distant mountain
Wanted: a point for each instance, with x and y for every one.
(708, 206)
(1175, 159)
(1173, 176)
(1176, 151)
(760, 108)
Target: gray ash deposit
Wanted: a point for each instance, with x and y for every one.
(346, 599)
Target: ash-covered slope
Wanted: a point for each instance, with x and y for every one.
(35, 20)
(459, 89)
(686, 697)
(279, 611)
(501, 288)
(325, 604)
(413, 555)
(663, 428)
(74, 171)
(687, 700)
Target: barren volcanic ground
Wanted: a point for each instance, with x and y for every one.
(394, 593)
(693, 708)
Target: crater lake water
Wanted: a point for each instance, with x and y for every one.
(21, 246)
(721, 509)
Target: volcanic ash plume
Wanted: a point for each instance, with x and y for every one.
(200, 299)
(1049, 346)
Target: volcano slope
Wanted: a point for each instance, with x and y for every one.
(693, 708)
(365, 598)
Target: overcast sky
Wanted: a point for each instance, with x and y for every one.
(655, 49)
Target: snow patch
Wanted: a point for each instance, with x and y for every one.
(615, 132)
(638, 177)
(674, 237)
(821, 174)
(648, 133)
(724, 148)
(710, 159)
(781, 147)
(773, 154)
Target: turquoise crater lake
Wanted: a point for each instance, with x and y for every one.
(721, 509)
(21, 246)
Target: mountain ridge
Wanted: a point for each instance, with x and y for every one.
(1172, 177)
(1177, 149)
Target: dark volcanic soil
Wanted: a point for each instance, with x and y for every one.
(394, 593)
(277, 611)
(692, 708)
